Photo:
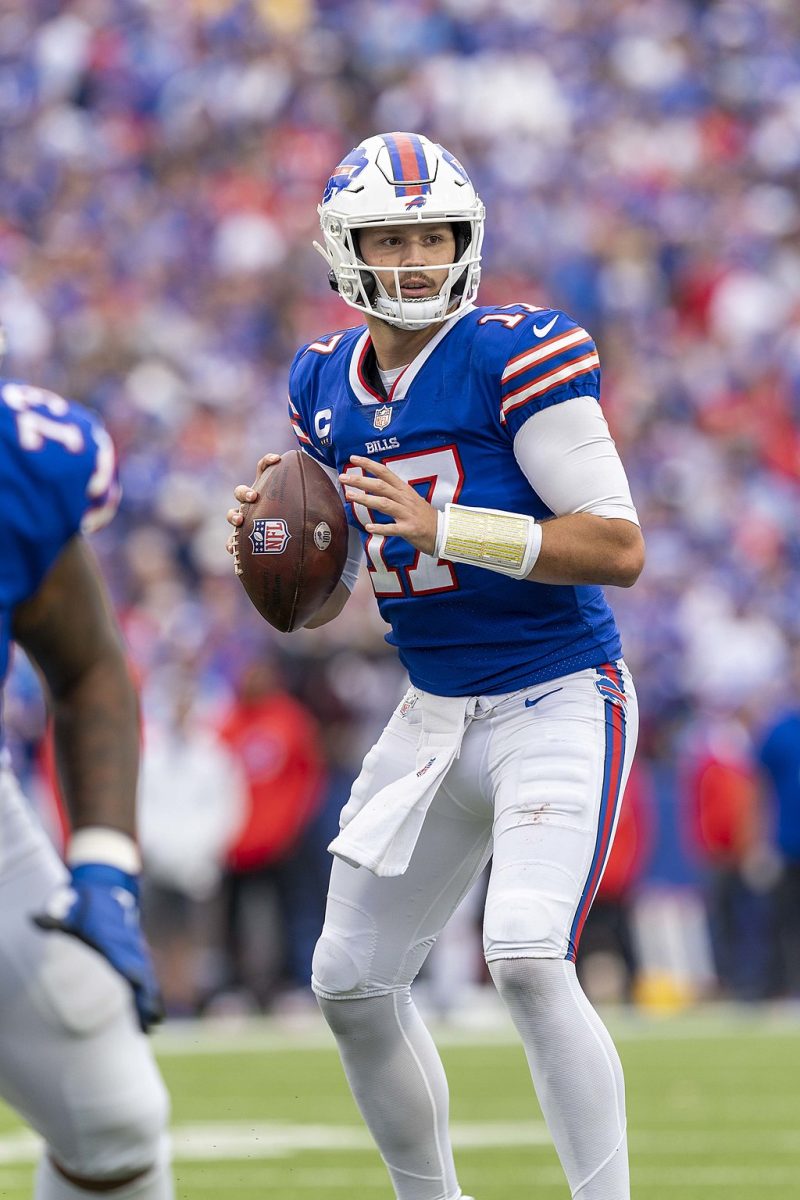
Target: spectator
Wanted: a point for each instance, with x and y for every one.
(778, 755)
(192, 799)
(721, 793)
(278, 744)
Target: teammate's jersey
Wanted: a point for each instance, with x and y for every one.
(447, 427)
(57, 475)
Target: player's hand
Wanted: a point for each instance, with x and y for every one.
(100, 906)
(244, 494)
(382, 491)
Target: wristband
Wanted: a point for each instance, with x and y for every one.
(488, 537)
(101, 844)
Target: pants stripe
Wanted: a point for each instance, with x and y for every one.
(609, 803)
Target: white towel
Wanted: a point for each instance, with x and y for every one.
(381, 834)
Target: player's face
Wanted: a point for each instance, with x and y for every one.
(422, 248)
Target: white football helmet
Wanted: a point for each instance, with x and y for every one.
(393, 179)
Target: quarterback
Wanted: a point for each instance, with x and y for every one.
(486, 495)
(77, 990)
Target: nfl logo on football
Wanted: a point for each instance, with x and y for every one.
(382, 417)
(269, 535)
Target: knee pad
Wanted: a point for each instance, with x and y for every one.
(153, 1184)
(120, 1137)
(344, 954)
(525, 924)
(339, 966)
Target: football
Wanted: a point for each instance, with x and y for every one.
(292, 546)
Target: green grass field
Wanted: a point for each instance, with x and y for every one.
(263, 1113)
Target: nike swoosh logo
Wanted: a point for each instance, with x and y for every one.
(530, 703)
(543, 330)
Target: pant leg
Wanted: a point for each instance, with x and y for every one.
(376, 936)
(73, 1062)
(558, 768)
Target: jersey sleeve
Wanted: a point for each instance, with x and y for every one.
(553, 359)
(58, 451)
(313, 436)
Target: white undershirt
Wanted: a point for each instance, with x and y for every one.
(390, 378)
(567, 455)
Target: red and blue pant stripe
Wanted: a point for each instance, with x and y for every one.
(611, 687)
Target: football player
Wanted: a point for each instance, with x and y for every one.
(487, 496)
(77, 990)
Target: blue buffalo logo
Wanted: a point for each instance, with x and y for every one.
(348, 169)
(452, 161)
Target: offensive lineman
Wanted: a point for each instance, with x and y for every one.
(77, 989)
(481, 480)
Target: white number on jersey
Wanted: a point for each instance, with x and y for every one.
(34, 427)
(441, 470)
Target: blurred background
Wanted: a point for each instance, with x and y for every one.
(160, 166)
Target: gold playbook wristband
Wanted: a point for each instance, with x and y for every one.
(488, 537)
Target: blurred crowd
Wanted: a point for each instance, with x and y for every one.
(160, 167)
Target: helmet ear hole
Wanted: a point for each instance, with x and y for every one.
(463, 235)
(367, 278)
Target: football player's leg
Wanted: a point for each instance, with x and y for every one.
(72, 1060)
(556, 801)
(377, 935)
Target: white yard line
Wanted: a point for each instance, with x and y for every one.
(249, 1140)
(208, 1140)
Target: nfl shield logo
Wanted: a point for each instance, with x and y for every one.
(269, 535)
(382, 417)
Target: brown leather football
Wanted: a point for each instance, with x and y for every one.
(292, 546)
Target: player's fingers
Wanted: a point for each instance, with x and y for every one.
(375, 468)
(234, 516)
(376, 487)
(359, 490)
(244, 493)
(268, 460)
(230, 545)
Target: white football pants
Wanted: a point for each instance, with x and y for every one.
(537, 787)
(73, 1062)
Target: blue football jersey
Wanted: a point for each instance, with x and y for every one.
(57, 476)
(447, 427)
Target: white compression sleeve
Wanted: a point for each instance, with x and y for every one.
(355, 554)
(576, 1072)
(398, 1081)
(569, 458)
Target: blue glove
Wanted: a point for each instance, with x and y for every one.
(101, 907)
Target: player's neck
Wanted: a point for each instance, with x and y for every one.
(397, 347)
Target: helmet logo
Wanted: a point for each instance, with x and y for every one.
(452, 161)
(348, 169)
(417, 202)
(411, 175)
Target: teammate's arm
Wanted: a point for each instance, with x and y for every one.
(68, 630)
